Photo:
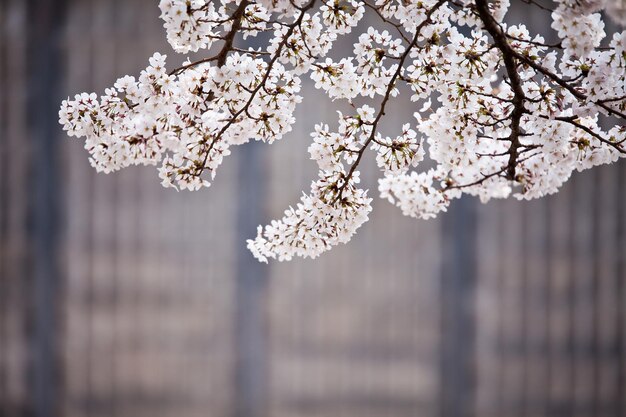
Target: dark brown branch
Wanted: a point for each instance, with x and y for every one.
(508, 56)
(230, 37)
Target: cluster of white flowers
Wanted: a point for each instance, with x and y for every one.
(501, 112)
(330, 215)
(398, 154)
(415, 194)
(190, 25)
(341, 17)
(186, 123)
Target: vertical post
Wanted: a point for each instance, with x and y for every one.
(44, 61)
(458, 283)
(251, 293)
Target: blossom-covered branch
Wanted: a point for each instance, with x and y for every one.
(500, 111)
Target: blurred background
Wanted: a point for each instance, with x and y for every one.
(121, 298)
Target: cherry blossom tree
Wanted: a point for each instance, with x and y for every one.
(498, 110)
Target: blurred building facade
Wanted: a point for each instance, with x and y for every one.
(121, 298)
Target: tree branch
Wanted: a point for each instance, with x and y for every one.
(508, 56)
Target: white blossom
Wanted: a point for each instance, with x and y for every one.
(501, 112)
(329, 215)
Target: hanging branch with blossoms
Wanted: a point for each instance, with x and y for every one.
(514, 115)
